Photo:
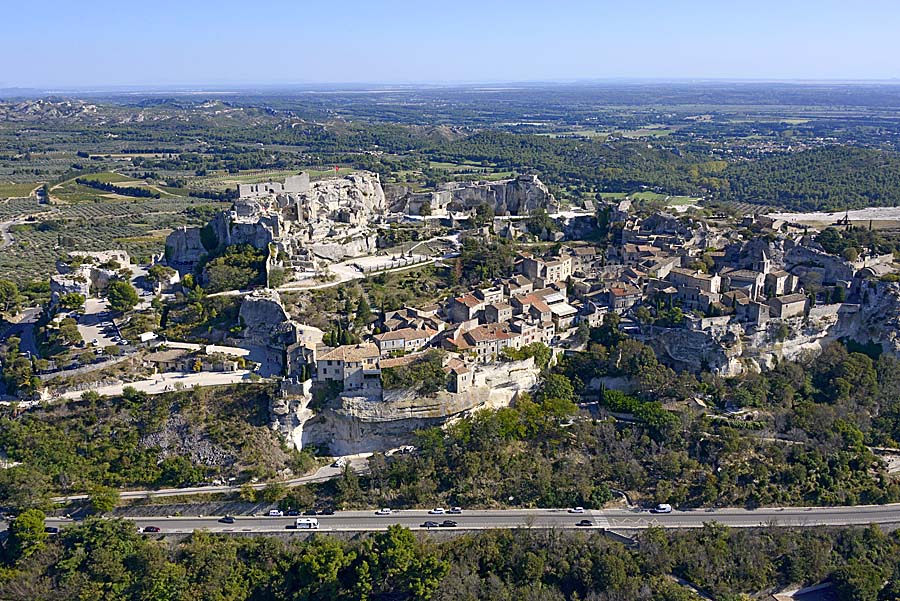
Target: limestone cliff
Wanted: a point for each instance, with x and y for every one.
(356, 424)
(729, 349)
(516, 196)
(331, 218)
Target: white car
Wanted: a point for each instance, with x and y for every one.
(275, 513)
(383, 511)
(577, 510)
(662, 508)
(340, 462)
(437, 511)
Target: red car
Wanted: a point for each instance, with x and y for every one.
(151, 528)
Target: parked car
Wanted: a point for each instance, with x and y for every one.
(292, 513)
(227, 520)
(577, 510)
(437, 511)
(585, 523)
(339, 462)
(430, 524)
(310, 512)
(275, 513)
(327, 511)
(51, 530)
(455, 510)
(383, 511)
(151, 528)
(662, 508)
(448, 524)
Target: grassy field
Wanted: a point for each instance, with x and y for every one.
(109, 177)
(11, 190)
(71, 191)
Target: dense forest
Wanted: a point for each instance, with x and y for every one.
(827, 179)
(107, 560)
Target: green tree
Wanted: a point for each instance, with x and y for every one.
(248, 493)
(103, 499)
(68, 331)
(26, 534)
(72, 301)
(484, 214)
(858, 581)
(273, 492)
(122, 296)
(9, 295)
(363, 311)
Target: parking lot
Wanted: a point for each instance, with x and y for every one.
(96, 324)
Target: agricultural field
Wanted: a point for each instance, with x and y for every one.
(19, 207)
(14, 190)
(138, 226)
(70, 191)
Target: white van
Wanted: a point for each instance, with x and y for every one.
(306, 523)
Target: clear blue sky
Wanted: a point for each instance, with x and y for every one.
(69, 43)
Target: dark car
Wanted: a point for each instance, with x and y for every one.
(310, 512)
(327, 511)
(51, 530)
(585, 523)
(448, 524)
(151, 528)
(430, 525)
(227, 520)
(293, 513)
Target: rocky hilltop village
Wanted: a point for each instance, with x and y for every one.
(704, 292)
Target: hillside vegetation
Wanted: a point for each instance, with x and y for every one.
(826, 179)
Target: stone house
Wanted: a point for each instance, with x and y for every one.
(789, 305)
(405, 340)
(465, 307)
(354, 365)
(498, 312)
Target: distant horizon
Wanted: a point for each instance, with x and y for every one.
(388, 86)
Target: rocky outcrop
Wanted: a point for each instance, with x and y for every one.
(329, 219)
(517, 196)
(357, 423)
(184, 248)
(356, 246)
(289, 411)
(262, 315)
(718, 349)
(729, 350)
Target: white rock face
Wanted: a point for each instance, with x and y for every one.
(329, 220)
(730, 351)
(357, 424)
(517, 196)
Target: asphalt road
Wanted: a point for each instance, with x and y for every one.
(24, 329)
(364, 521)
(323, 474)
